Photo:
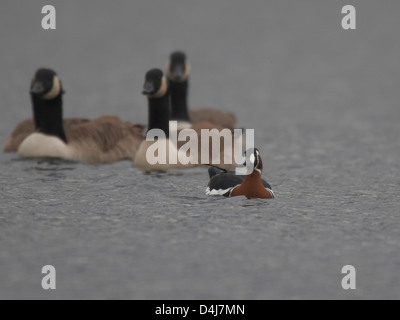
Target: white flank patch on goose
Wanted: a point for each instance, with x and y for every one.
(41, 145)
(219, 192)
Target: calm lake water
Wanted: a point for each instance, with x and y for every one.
(324, 103)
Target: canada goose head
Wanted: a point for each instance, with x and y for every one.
(178, 69)
(46, 85)
(253, 161)
(155, 84)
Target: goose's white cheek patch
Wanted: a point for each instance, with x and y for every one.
(55, 90)
(163, 89)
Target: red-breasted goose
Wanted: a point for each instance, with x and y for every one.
(251, 185)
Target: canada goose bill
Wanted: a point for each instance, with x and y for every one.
(225, 183)
(178, 72)
(103, 140)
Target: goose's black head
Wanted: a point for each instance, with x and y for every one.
(46, 85)
(155, 84)
(178, 68)
(253, 160)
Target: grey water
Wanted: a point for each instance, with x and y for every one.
(324, 103)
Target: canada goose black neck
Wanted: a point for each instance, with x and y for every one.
(157, 91)
(48, 116)
(179, 93)
(47, 109)
(159, 114)
(178, 75)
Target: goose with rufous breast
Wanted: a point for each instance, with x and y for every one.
(228, 184)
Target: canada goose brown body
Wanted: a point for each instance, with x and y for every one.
(215, 153)
(216, 117)
(178, 72)
(103, 140)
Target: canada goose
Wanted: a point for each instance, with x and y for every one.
(178, 71)
(103, 140)
(251, 186)
(157, 92)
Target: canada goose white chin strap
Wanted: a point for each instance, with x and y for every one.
(55, 90)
